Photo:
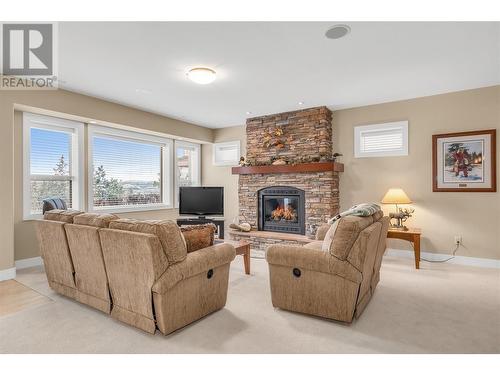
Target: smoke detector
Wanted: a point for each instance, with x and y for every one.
(337, 31)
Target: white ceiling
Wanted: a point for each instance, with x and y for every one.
(269, 67)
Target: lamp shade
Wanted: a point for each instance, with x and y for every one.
(395, 196)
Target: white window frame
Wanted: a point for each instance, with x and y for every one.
(198, 177)
(397, 125)
(217, 146)
(167, 174)
(31, 120)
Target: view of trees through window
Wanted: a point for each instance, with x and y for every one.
(126, 172)
(49, 167)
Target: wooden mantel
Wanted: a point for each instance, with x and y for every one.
(288, 168)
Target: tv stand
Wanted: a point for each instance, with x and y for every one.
(219, 223)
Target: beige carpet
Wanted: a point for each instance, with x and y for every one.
(441, 308)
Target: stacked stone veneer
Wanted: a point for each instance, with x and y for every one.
(309, 134)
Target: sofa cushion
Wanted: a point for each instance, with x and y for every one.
(167, 231)
(316, 245)
(321, 231)
(377, 216)
(65, 216)
(198, 236)
(347, 232)
(330, 234)
(95, 220)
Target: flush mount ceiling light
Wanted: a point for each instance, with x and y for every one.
(202, 76)
(337, 31)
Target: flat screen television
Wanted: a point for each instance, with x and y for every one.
(201, 201)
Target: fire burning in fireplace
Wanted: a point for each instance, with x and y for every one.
(284, 213)
(282, 209)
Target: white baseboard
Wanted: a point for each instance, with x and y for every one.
(28, 262)
(9, 273)
(466, 261)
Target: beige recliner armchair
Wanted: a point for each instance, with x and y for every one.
(334, 280)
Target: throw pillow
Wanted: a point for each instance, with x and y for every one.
(198, 236)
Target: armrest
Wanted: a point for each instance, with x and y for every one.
(321, 231)
(311, 259)
(195, 263)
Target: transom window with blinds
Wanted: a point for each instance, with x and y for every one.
(378, 140)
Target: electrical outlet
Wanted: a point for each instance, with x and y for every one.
(458, 240)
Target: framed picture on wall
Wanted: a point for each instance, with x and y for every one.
(464, 162)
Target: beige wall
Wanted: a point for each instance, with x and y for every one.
(221, 176)
(474, 216)
(18, 239)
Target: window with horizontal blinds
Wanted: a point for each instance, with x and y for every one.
(226, 153)
(389, 139)
(50, 162)
(50, 171)
(128, 170)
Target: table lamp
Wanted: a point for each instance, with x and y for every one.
(398, 196)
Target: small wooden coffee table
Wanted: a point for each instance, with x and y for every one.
(242, 248)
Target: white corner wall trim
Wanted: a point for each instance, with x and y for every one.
(462, 260)
(28, 262)
(9, 273)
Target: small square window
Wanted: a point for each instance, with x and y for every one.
(226, 153)
(378, 140)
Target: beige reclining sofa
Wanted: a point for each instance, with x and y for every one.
(137, 271)
(333, 280)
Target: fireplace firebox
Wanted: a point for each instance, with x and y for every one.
(282, 209)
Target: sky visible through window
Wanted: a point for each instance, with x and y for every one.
(126, 172)
(50, 156)
(47, 147)
(127, 161)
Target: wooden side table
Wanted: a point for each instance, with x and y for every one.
(242, 248)
(412, 235)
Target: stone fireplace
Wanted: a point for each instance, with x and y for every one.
(281, 201)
